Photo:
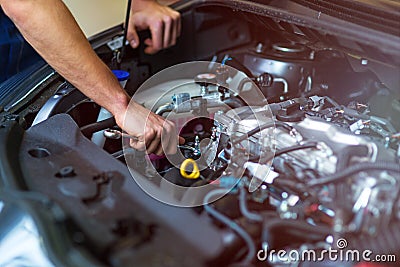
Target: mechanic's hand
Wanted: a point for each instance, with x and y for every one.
(154, 134)
(164, 24)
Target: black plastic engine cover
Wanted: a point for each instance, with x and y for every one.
(123, 224)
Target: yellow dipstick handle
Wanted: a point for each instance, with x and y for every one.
(195, 172)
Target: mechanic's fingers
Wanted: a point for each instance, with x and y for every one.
(157, 34)
(148, 42)
(150, 50)
(181, 140)
(154, 145)
(177, 30)
(138, 144)
(159, 151)
(169, 138)
(175, 18)
(168, 31)
(132, 36)
(166, 138)
(173, 144)
(176, 27)
(169, 143)
(149, 47)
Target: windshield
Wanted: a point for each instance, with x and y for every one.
(381, 15)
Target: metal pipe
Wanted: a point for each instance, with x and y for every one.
(165, 108)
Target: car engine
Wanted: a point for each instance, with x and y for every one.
(292, 143)
(303, 171)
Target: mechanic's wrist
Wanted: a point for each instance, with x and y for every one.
(119, 107)
(139, 5)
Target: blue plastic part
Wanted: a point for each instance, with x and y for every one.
(121, 75)
(229, 182)
(225, 60)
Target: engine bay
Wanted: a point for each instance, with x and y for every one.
(290, 144)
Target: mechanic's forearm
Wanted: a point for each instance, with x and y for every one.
(51, 29)
(140, 4)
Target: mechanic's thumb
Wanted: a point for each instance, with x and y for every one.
(138, 145)
(181, 140)
(133, 37)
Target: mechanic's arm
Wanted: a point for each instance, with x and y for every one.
(51, 29)
(163, 22)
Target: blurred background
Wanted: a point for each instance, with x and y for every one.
(95, 16)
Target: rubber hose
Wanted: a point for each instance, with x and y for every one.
(89, 129)
(276, 228)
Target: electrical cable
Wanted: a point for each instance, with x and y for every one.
(331, 101)
(285, 151)
(340, 176)
(231, 224)
(243, 207)
(214, 175)
(275, 228)
(261, 128)
(119, 154)
(127, 17)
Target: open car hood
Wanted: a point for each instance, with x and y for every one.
(329, 71)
